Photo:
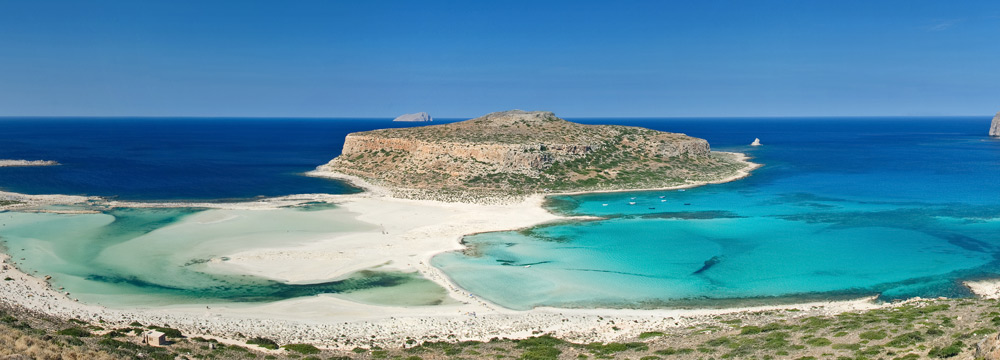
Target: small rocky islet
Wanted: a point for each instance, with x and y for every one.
(526, 152)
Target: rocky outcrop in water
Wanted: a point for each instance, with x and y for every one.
(995, 127)
(4, 163)
(416, 117)
(525, 152)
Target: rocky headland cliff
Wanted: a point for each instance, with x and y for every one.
(995, 127)
(519, 152)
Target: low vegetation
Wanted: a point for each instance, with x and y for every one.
(9, 202)
(935, 329)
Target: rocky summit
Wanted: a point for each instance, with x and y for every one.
(520, 152)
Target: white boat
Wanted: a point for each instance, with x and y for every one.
(631, 202)
(604, 204)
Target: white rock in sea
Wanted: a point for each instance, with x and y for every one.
(995, 127)
(5, 162)
(756, 142)
(420, 116)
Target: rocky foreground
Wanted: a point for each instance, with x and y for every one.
(521, 153)
(916, 329)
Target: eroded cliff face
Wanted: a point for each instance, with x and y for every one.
(995, 126)
(525, 152)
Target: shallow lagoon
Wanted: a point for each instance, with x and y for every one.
(842, 208)
(131, 257)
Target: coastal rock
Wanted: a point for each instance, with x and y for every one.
(756, 142)
(4, 163)
(416, 117)
(988, 348)
(526, 152)
(995, 126)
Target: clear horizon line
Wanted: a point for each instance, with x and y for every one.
(451, 118)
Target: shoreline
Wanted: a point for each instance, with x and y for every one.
(382, 191)
(394, 328)
(420, 230)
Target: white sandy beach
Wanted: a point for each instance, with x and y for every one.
(410, 233)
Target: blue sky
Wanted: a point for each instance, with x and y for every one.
(466, 58)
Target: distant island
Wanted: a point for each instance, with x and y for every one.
(415, 117)
(11, 163)
(516, 152)
(995, 126)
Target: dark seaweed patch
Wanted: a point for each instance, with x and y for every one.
(693, 215)
(250, 289)
(708, 265)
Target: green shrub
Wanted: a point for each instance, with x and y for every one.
(819, 341)
(948, 351)
(905, 340)
(873, 335)
(847, 346)
(541, 353)
(750, 330)
(650, 334)
(934, 332)
(263, 342)
(170, 332)
(772, 327)
(302, 348)
(544, 340)
(115, 344)
(74, 331)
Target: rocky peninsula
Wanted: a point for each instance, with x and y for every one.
(995, 126)
(519, 153)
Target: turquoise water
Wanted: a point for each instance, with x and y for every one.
(841, 208)
(898, 207)
(130, 257)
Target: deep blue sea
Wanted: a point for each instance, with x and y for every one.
(842, 207)
(175, 159)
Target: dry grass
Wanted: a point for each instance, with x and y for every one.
(42, 347)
